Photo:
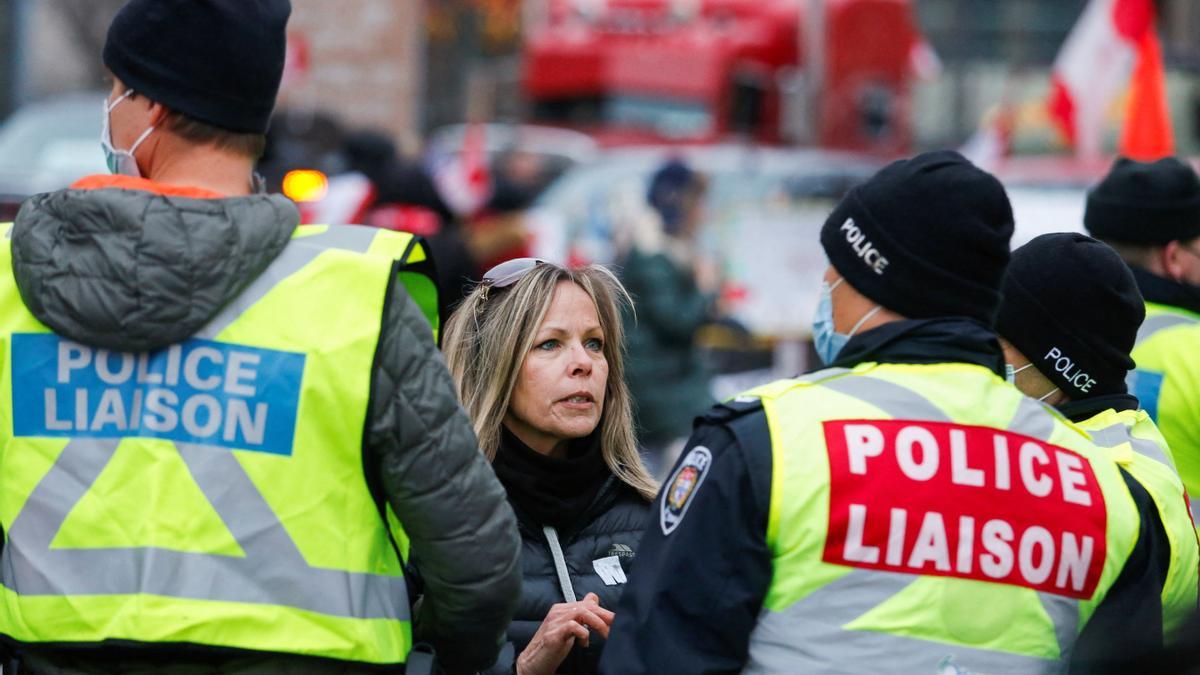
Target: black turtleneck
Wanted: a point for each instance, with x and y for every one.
(1085, 409)
(551, 490)
(956, 341)
(925, 341)
(1163, 291)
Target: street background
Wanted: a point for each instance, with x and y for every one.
(411, 66)
(501, 128)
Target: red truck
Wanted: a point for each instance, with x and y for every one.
(828, 73)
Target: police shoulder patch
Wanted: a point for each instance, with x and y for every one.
(684, 484)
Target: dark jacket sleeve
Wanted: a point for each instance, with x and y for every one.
(695, 594)
(1127, 625)
(423, 455)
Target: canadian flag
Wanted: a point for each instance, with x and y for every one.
(1147, 134)
(1094, 66)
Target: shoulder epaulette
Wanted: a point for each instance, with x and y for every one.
(781, 387)
(727, 411)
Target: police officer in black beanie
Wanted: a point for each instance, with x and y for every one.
(1071, 312)
(792, 536)
(1150, 213)
(1068, 322)
(255, 441)
(190, 77)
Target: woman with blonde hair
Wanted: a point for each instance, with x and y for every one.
(536, 353)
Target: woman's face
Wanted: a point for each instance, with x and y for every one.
(560, 388)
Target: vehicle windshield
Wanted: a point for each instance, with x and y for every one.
(670, 118)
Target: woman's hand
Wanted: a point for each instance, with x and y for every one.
(564, 624)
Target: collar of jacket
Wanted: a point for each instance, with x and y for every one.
(1163, 291)
(612, 491)
(926, 341)
(107, 181)
(1086, 409)
(134, 265)
(550, 490)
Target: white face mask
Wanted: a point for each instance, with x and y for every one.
(120, 162)
(1010, 374)
(1048, 394)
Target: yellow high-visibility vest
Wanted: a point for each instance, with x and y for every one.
(1136, 444)
(928, 516)
(211, 492)
(1167, 385)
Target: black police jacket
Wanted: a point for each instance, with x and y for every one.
(666, 624)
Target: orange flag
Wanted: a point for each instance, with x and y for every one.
(1147, 133)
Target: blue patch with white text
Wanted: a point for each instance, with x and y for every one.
(199, 391)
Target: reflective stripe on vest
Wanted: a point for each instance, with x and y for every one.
(1160, 322)
(276, 586)
(1118, 434)
(273, 571)
(813, 625)
(823, 616)
(1151, 464)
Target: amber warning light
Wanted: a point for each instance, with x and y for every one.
(305, 185)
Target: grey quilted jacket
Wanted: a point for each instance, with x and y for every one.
(133, 270)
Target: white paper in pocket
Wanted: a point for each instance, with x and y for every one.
(610, 570)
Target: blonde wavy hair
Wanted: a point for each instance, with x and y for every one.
(491, 332)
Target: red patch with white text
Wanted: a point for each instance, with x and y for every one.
(942, 499)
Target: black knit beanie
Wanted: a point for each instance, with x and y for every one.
(925, 237)
(1072, 307)
(669, 192)
(217, 61)
(1149, 203)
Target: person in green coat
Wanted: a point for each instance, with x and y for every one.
(675, 290)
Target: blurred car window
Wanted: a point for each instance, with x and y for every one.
(672, 119)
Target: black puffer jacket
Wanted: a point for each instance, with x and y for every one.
(611, 526)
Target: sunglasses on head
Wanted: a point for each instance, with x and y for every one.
(510, 272)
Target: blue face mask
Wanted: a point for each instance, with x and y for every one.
(829, 342)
